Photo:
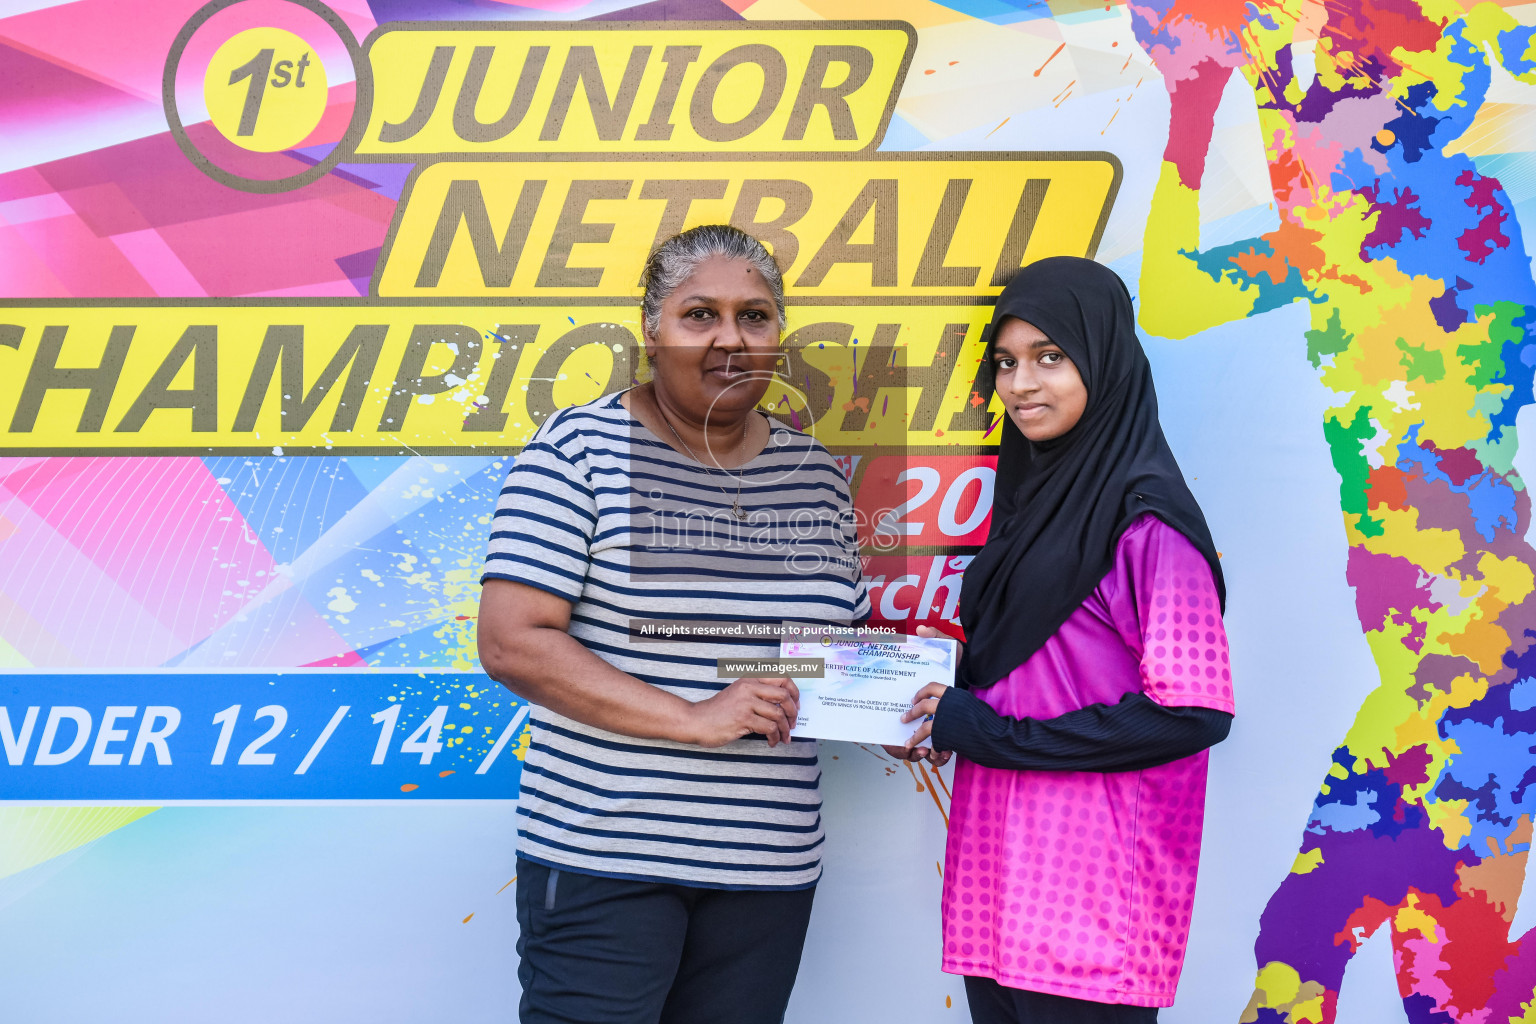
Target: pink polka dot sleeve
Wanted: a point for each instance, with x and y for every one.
(1168, 613)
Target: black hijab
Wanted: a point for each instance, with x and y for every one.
(1060, 506)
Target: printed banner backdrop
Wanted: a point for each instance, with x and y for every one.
(285, 285)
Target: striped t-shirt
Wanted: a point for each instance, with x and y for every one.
(599, 511)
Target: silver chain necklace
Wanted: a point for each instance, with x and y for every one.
(736, 509)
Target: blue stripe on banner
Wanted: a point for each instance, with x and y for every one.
(285, 735)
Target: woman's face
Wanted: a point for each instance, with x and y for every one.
(1040, 387)
(717, 341)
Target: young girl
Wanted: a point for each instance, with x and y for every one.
(1094, 678)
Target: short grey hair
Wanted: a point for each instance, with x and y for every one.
(675, 260)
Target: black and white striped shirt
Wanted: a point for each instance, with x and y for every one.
(599, 511)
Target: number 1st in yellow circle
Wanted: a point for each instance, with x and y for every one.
(265, 89)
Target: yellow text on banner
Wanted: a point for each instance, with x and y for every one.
(815, 87)
(898, 227)
(331, 377)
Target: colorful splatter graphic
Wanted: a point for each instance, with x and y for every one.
(1422, 307)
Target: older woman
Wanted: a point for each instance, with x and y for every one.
(670, 828)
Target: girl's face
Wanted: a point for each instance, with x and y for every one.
(1040, 387)
(717, 339)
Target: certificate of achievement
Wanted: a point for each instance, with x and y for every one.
(867, 685)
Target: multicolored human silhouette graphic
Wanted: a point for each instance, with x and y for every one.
(1422, 306)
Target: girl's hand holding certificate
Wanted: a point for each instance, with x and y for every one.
(924, 706)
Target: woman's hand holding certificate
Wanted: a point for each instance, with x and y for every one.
(763, 706)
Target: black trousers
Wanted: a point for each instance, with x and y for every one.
(611, 951)
(992, 1003)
